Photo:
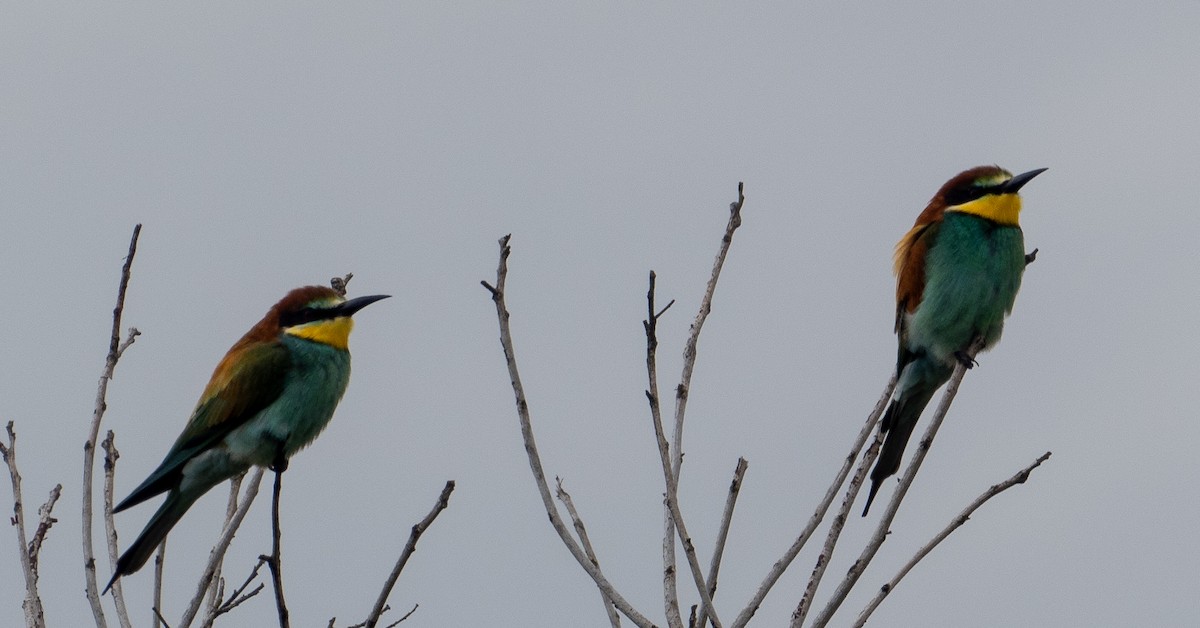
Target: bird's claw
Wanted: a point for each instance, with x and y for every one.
(965, 359)
(281, 460)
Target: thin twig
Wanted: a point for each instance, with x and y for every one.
(580, 530)
(45, 522)
(670, 589)
(406, 616)
(535, 462)
(217, 553)
(818, 515)
(409, 547)
(735, 487)
(238, 595)
(32, 605)
(994, 490)
(674, 519)
(339, 283)
(110, 529)
(885, 522)
(275, 561)
(115, 349)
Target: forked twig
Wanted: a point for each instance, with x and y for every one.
(32, 604)
(115, 348)
(670, 589)
(535, 462)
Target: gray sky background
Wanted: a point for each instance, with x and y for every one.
(270, 146)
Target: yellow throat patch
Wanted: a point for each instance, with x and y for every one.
(334, 332)
(1002, 209)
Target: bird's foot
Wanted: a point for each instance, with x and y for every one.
(281, 460)
(965, 359)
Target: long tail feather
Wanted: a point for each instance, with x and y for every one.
(900, 419)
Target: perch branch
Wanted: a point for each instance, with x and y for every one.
(275, 561)
(906, 481)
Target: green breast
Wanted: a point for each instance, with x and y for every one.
(972, 273)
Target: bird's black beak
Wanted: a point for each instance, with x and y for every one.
(1012, 185)
(353, 305)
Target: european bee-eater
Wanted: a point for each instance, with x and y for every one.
(957, 275)
(270, 396)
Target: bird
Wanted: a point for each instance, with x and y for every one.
(270, 396)
(958, 271)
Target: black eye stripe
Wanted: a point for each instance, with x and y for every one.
(302, 316)
(968, 193)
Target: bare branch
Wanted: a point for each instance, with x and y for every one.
(994, 490)
(670, 589)
(115, 349)
(563, 496)
(674, 519)
(906, 481)
(409, 547)
(535, 462)
(818, 515)
(110, 529)
(735, 487)
(35, 615)
(217, 553)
